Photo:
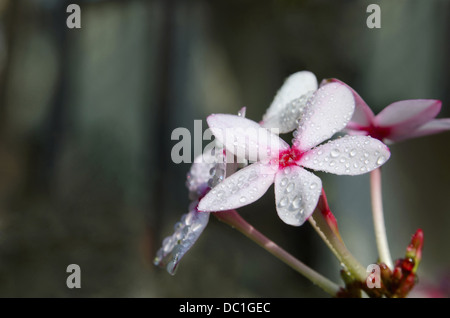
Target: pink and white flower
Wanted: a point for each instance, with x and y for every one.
(398, 121)
(296, 189)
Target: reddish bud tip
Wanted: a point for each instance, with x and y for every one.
(327, 214)
(414, 249)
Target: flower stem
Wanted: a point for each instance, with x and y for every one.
(233, 219)
(325, 225)
(378, 218)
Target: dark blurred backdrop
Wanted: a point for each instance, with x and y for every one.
(86, 117)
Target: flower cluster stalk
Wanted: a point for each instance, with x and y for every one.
(233, 219)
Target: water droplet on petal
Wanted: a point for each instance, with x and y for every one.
(352, 153)
(335, 153)
(283, 202)
(243, 199)
(296, 202)
(381, 160)
(290, 187)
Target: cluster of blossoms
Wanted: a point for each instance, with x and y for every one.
(334, 131)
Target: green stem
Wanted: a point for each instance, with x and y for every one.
(378, 218)
(233, 219)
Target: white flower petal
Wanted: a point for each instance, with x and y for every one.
(240, 189)
(363, 115)
(286, 119)
(328, 112)
(295, 86)
(349, 155)
(297, 192)
(187, 231)
(245, 138)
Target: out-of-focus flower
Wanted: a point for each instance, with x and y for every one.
(287, 107)
(296, 190)
(192, 224)
(208, 170)
(398, 121)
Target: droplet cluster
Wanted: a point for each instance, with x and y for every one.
(296, 193)
(316, 124)
(349, 155)
(186, 232)
(289, 114)
(229, 195)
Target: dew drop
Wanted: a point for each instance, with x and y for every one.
(290, 187)
(313, 185)
(283, 202)
(296, 202)
(284, 182)
(335, 153)
(352, 153)
(243, 199)
(381, 160)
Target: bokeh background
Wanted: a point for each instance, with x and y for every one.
(86, 117)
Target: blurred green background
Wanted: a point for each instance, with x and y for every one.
(86, 117)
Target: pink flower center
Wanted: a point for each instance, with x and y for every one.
(289, 157)
(377, 132)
